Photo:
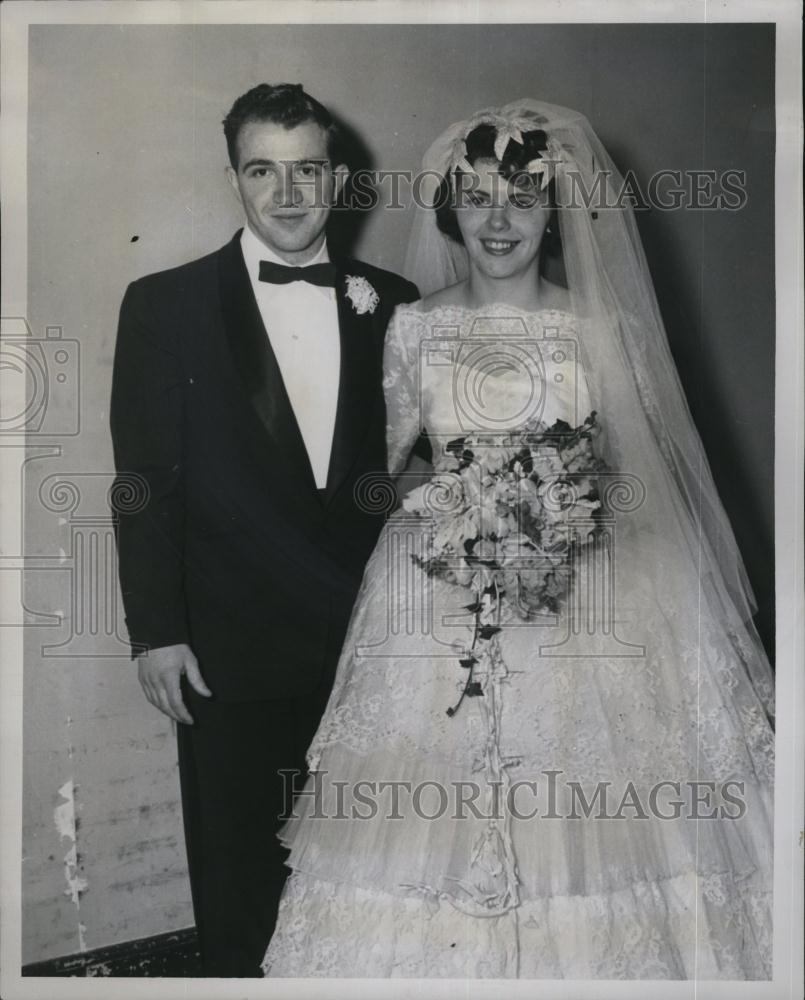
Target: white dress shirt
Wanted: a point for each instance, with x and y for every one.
(302, 325)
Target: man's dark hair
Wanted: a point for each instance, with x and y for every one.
(284, 104)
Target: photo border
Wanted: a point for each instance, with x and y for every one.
(15, 17)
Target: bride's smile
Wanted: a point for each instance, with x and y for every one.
(499, 246)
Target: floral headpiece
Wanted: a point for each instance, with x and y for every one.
(507, 127)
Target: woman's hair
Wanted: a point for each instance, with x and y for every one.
(284, 104)
(480, 145)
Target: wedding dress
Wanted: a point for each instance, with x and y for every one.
(657, 692)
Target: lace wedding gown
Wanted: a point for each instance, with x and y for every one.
(653, 690)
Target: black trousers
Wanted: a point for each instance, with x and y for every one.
(233, 801)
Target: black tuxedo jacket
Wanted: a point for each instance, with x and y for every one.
(233, 550)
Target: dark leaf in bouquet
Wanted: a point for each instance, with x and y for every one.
(487, 631)
(469, 545)
(455, 447)
(474, 608)
(468, 662)
(432, 567)
(551, 604)
(475, 690)
(557, 433)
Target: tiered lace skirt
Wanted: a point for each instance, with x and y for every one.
(602, 809)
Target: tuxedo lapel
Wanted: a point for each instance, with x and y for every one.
(257, 365)
(357, 390)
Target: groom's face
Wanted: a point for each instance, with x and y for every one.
(286, 184)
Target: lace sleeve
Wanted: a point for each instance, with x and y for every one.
(401, 387)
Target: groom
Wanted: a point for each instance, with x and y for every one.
(247, 394)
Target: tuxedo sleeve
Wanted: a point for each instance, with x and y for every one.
(408, 292)
(146, 423)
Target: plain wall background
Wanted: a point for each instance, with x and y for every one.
(125, 141)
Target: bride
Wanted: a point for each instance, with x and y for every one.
(548, 752)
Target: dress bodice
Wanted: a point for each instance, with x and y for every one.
(453, 371)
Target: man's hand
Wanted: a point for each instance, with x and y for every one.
(160, 675)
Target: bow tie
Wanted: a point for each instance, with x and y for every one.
(283, 274)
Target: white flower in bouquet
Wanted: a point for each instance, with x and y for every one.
(503, 525)
(472, 480)
(465, 576)
(547, 464)
(443, 494)
(414, 501)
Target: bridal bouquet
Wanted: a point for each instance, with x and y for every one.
(506, 517)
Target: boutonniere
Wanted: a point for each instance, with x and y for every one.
(360, 293)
